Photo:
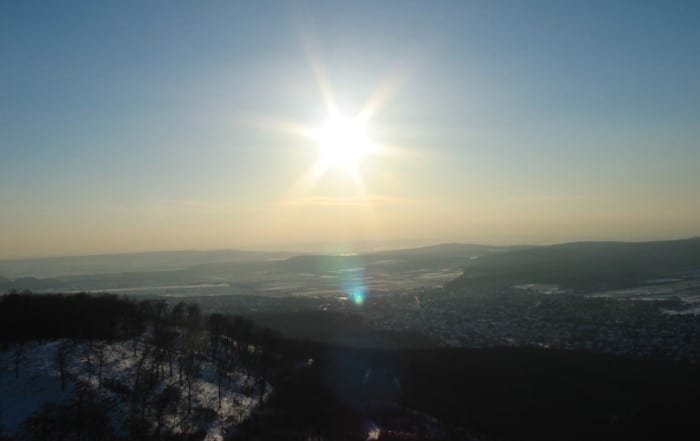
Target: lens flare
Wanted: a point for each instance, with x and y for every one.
(358, 295)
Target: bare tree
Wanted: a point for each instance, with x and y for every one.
(100, 354)
(167, 400)
(61, 356)
(19, 355)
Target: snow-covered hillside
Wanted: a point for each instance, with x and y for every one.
(175, 399)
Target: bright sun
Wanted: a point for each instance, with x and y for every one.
(344, 141)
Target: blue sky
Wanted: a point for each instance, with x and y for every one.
(130, 126)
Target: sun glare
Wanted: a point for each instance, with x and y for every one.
(344, 141)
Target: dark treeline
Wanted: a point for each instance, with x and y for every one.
(27, 316)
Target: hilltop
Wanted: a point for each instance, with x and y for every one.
(586, 265)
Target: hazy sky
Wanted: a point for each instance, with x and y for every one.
(171, 125)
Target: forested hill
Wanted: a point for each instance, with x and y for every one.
(106, 368)
(586, 265)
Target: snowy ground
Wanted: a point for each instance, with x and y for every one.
(39, 382)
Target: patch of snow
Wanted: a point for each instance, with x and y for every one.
(39, 382)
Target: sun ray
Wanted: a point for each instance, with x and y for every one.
(324, 87)
(357, 180)
(269, 123)
(319, 73)
(386, 90)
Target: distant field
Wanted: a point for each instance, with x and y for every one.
(241, 273)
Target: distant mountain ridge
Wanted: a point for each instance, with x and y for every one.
(586, 265)
(452, 248)
(579, 265)
(453, 254)
(226, 266)
(127, 262)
